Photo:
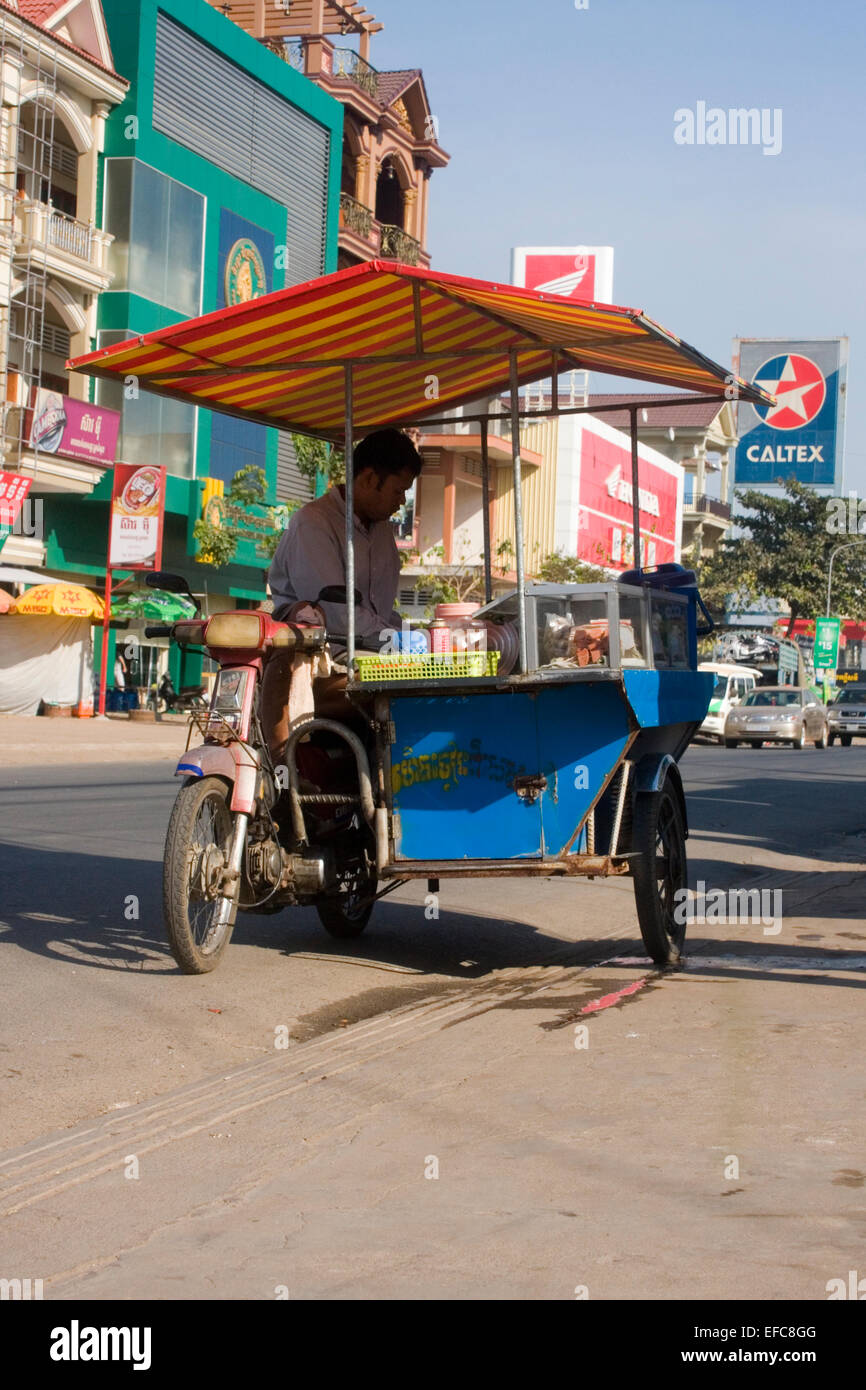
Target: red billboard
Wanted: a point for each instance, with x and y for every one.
(13, 490)
(573, 272)
(137, 511)
(605, 501)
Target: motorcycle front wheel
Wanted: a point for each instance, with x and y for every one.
(197, 846)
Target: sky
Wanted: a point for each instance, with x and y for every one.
(560, 125)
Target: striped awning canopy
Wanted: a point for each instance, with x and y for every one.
(417, 342)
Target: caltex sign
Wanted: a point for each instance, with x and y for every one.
(801, 436)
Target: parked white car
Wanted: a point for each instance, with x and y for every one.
(733, 684)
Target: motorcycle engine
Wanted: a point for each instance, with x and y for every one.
(264, 864)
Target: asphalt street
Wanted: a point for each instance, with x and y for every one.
(447, 1044)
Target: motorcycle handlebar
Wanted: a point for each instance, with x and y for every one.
(362, 644)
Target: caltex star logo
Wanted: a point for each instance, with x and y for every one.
(799, 387)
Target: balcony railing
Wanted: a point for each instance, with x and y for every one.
(290, 50)
(70, 235)
(40, 228)
(397, 245)
(354, 216)
(348, 63)
(709, 506)
(390, 241)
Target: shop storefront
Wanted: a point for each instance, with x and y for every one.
(219, 182)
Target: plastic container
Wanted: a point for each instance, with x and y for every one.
(440, 667)
(467, 635)
(440, 637)
(413, 640)
(456, 614)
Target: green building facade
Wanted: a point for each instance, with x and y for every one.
(219, 181)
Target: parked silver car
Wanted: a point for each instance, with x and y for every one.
(778, 714)
(847, 715)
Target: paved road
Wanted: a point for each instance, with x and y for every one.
(307, 1167)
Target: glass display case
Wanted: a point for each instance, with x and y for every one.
(597, 626)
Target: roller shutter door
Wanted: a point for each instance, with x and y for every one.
(203, 101)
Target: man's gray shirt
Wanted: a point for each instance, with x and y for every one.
(312, 554)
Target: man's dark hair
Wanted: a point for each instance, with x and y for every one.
(387, 452)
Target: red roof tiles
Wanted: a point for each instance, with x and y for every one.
(699, 416)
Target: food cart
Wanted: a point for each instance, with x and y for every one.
(552, 753)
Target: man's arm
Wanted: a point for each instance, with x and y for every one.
(308, 558)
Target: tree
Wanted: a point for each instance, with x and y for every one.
(557, 568)
(460, 583)
(785, 553)
(315, 456)
(218, 544)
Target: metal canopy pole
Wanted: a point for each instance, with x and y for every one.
(485, 512)
(428, 421)
(350, 526)
(518, 509)
(635, 497)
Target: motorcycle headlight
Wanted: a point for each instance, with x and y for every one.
(228, 698)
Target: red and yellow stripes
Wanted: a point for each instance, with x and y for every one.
(259, 359)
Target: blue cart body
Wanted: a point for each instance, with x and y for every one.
(459, 762)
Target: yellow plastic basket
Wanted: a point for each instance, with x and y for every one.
(411, 667)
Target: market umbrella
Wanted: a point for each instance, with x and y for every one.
(61, 601)
(153, 605)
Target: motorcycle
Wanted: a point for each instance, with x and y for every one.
(245, 834)
(190, 697)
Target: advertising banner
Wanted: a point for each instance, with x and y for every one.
(574, 272)
(802, 435)
(251, 526)
(137, 511)
(246, 257)
(74, 429)
(605, 500)
(825, 652)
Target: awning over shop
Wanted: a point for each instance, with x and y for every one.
(418, 343)
(11, 574)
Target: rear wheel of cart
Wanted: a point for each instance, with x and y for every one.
(660, 873)
(346, 913)
(345, 916)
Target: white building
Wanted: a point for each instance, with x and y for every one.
(57, 85)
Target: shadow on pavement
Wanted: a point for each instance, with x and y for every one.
(72, 909)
